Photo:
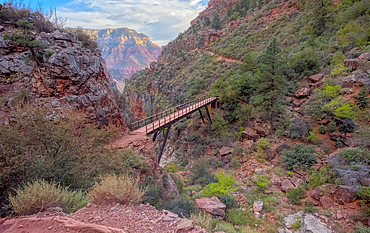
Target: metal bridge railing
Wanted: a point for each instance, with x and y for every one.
(168, 115)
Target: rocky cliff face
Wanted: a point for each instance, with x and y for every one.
(67, 77)
(125, 51)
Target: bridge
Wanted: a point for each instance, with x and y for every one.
(164, 120)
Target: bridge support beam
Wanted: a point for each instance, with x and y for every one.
(201, 115)
(164, 143)
(209, 116)
(155, 136)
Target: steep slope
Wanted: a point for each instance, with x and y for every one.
(125, 51)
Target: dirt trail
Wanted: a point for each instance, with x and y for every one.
(225, 58)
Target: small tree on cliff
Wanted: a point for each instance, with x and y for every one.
(216, 22)
(229, 11)
(246, 4)
(271, 83)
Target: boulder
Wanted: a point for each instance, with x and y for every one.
(1, 28)
(348, 84)
(365, 56)
(271, 154)
(353, 63)
(257, 206)
(309, 223)
(299, 102)
(339, 215)
(249, 144)
(346, 193)
(185, 225)
(211, 205)
(316, 78)
(296, 181)
(260, 129)
(335, 135)
(326, 202)
(276, 182)
(303, 92)
(282, 147)
(365, 182)
(286, 185)
(249, 134)
(349, 142)
(317, 193)
(225, 151)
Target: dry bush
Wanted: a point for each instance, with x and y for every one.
(203, 220)
(36, 196)
(116, 189)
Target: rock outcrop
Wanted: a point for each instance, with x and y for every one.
(309, 223)
(65, 76)
(211, 205)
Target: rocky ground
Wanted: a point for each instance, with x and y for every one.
(104, 219)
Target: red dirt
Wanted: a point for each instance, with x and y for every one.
(102, 219)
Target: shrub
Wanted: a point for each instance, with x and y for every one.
(298, 128)
(236, 216)
(203, 220)
(318, 178)
(182, 206)
(361, 229)
(364, 193)
(86, 40)
(229, 201)
(225, 185)
(48, 53)
(116, 189)
(262, 144)
(301, 156)
(346, 125)
(36, 196)
(332, 126)
(357, 155)
(339, 109)
(201, 173)
(295, 195)
(235, 163)
(339, 143)
(262, 183)
(197, 151)
(74, 201)
(309, 207)
(313, 137)
(297, 225)
(322, 129)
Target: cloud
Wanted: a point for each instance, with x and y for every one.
(161, 20)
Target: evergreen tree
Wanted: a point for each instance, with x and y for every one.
(271, 83)
(216, 22)
(229, 11)
(207, 21)
(253, 4)
(321, 14)
(259, 4)
(237, 7)
(246, 4)
(362, 99)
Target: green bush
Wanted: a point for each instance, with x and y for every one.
(357, 155)
(36, 196)
(235, 163)
(309, 207)
(364, 193)
(339, 143)
(361, 229)
(313, 137)
(297, 225)
(295, 195)
(224, 186)
(74, 201)
(262, 183)
(48, 53)
(182, 206)
(302, 156)
(332, 126)
(236, 216)
(229, 201)
(86, 40)
(322, 129)
(318, 178)
(298, 128)
(346, 125)
(154, 192)
(201, 173)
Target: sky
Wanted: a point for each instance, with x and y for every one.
(161, 20)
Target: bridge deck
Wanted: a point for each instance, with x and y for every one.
(172, 118)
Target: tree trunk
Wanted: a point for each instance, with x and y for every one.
(272, 124)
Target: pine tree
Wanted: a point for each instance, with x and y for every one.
(216, 22)
(207, 21)
(229, 10)
(321, 14)
(253, 4)
(271, 83)
(246, 4)
(237, 7)
(362, 99)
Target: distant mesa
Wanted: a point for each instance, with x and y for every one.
(125, 51)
